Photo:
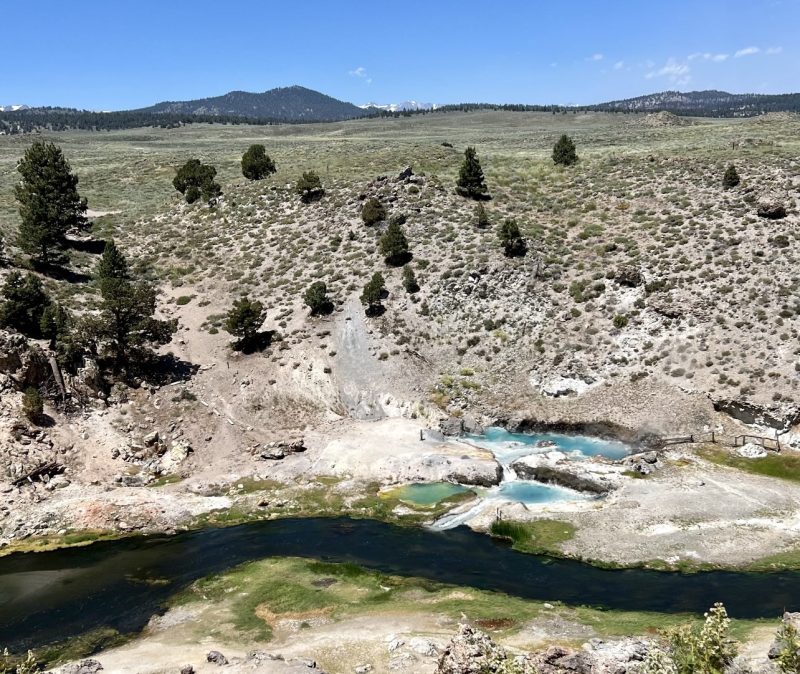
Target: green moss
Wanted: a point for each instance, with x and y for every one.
(783, 466)
(539, 536)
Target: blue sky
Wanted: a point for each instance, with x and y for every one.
(118, 54)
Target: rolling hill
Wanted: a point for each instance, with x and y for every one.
(291, 104)
(709, 103)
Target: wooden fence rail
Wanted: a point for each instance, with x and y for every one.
(771, 444)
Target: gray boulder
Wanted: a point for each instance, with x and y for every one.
(217, 658)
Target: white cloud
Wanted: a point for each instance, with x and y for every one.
(675, 72)
(747, 51)
(361, 73)
(708, 56)
(595, 57)
(619, 65)
(774, 50)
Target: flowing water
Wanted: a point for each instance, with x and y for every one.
(509, 447)
(49, 596)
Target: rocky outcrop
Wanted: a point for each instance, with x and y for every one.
(643, 463)
(473, 652)
(154, 457)
(255, 661)
(777, 416)
(591, 477)
(597, 429)
(456, 426)
(89, 666)
(778, 646)
(275, 451)
(597, 657)
(25, 363)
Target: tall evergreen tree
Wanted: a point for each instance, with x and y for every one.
(316, 298)
(470, 181)
(511, 239)
(564, 151)
(394, 245)
(244, 321)
(49, 203)
(410, 280)
(24, 300)
(373, 294)
(256, 163)
(128, 324)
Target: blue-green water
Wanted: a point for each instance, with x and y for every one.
(529, 492)
(509, 447)
(504, 444)
(428, 494)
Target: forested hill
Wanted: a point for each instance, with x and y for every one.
(708, 103)
(289, 104)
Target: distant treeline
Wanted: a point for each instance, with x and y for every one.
(64, 119)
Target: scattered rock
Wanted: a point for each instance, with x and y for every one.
(452, 426)
(275, 451)
(217, 658)
(751, 451)
(629, 275)
(88, 666)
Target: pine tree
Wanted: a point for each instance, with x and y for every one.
(24, 303)
(731, 177)
(309, 187)
(49, 203)
(394, 245)
(127, 323)
(410, 280)
(316, 298)
(511, 239)
(113, 264)
(195, 180)
(373, 211)
(564, 151)
(470, 181)
(244, 321)
(373, 294)
(256, 163)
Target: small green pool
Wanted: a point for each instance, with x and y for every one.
(428, 493)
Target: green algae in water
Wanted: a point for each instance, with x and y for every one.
(428, 494)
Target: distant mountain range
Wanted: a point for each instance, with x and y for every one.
(399, 107)
(290, 104)
(298, 104)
